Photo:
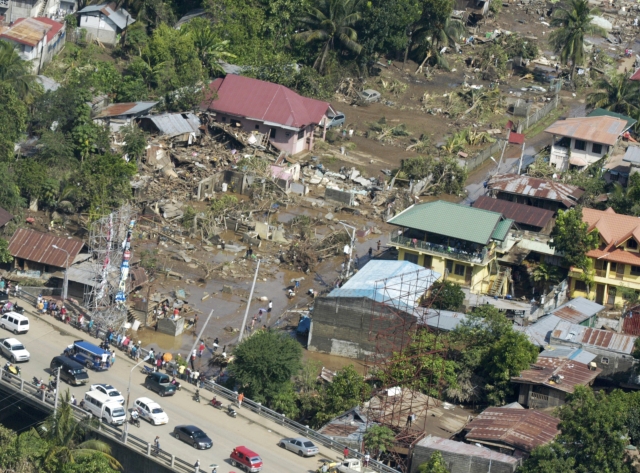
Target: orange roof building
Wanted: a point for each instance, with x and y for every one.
(616, 261)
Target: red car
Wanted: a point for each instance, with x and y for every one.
(246, 459)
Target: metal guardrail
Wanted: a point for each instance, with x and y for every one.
(293, 425)
(136, 443)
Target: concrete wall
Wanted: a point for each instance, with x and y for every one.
(171, 327)
(347, 326)
(460, 463)
(99, 27)
(346, 198)
(23, 9)
(130, 459)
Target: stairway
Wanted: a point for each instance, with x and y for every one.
(241, 229)
(132, 316)
(503, 275)
(43, 8)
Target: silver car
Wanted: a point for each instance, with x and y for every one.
(370, 95)
(300, 445)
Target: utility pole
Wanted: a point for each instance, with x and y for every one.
(521, 156)
(201, 332)
(246, 314)
(55, 401)
(125, 431)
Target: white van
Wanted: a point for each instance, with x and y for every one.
(103, 407)
(15, 322)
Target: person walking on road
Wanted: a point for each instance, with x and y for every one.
(156, 444)
(196, 466)
(215, 344)
(367, 457)
(240, 398)
(193, 360)
(346, 452)
(201, 349)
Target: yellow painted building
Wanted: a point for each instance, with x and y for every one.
(616, 261)
(455, 240)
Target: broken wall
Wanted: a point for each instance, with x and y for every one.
(346, 198)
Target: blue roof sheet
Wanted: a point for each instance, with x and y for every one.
(90, 347)
(392, 281)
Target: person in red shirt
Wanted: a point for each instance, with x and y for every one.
(200, 349)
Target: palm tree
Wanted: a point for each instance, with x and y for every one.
(62, 431)
(211, 50)
(545, 274)
(434, 37)
(15, 72)
(331, 22)
(573, 21)
(616, 93)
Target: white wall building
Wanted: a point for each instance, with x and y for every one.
(579, 142)
(57, 9)
(37, 39)
(103, 23)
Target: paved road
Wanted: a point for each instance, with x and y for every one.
(45, 340)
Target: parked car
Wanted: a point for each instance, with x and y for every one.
(336, 120)
(14, 350)
(150, 411)
(160, 383)
(110, 391)
(193, 436)
(370, 95)
(246, 459)
(300, 445)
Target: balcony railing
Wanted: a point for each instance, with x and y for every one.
(601, 273)
(441, 250)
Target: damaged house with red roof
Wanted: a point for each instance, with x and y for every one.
(271, 112)
(36, 39)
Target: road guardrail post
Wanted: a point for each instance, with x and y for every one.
(173, 460)
(148, 449)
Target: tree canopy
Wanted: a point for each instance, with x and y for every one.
(570, 236)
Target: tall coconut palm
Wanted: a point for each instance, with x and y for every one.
(211, 50)
(330, 22)
(16, 72)
(62, 432)
(616, 93)
(574, 22)
(434, 37)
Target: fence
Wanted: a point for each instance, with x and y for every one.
(534, 118)
(483, 155)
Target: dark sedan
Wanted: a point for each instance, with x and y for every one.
(193, 436)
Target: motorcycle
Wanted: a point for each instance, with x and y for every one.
(38, 383)
(231, 411)
(147, 370)
(215, 403)
(135, 420)
(12, 369)
(196, 396)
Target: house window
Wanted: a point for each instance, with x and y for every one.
(635, 270)
(580, 286)
(580, 145)
(605, 360)
(301, 134)
(272, 133)
(596, 148)
(257, 127)
(223, 119)
(631, 243)
(460, 269)
(449, 266)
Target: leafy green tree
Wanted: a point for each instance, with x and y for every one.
(34, 182)
(383, 28)
(434, 465)
(446, 295)
(506, 359)
(5, 256)
(570, 236)
(330, 22)
(626, 200)
(434, 13)
(15, 72)
(13, 117)
(10, 198)
(265, 363)
(616, 93)
(441, 33)
(347, 391)
(135, 141)
(549, 458)
(573, 21)
(210, 48)
(443, 175)
(379, 439)
(545, 274)
(593, 430)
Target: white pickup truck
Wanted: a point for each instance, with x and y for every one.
(14, 350)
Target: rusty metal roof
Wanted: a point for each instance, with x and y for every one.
(28, 31)
(520, 429)
(35, 246)
(129, 108)
(604, 129)
(5, 217)
(631, 325)
(578, 310)
(593, 337)
(520, 213)
(465, 449)
(557, 373)
(537, 188)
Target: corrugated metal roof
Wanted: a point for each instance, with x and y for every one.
(632, 155)
(604, 130)
(174, 124)
(592, 337)
(379, 280)
(450, 220)
(578, 310)
(534, 187)
(520, 429)
(569, 353)
(569, 373)
(520, 213)
(120, 17)
(5, 217)
(445, 320)
(631, 323)
(35, 246)
(129, 108)
(601, 112)
(501, 230)
(27, 31)
(264, 101)
(465, 449)
(539, 332)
